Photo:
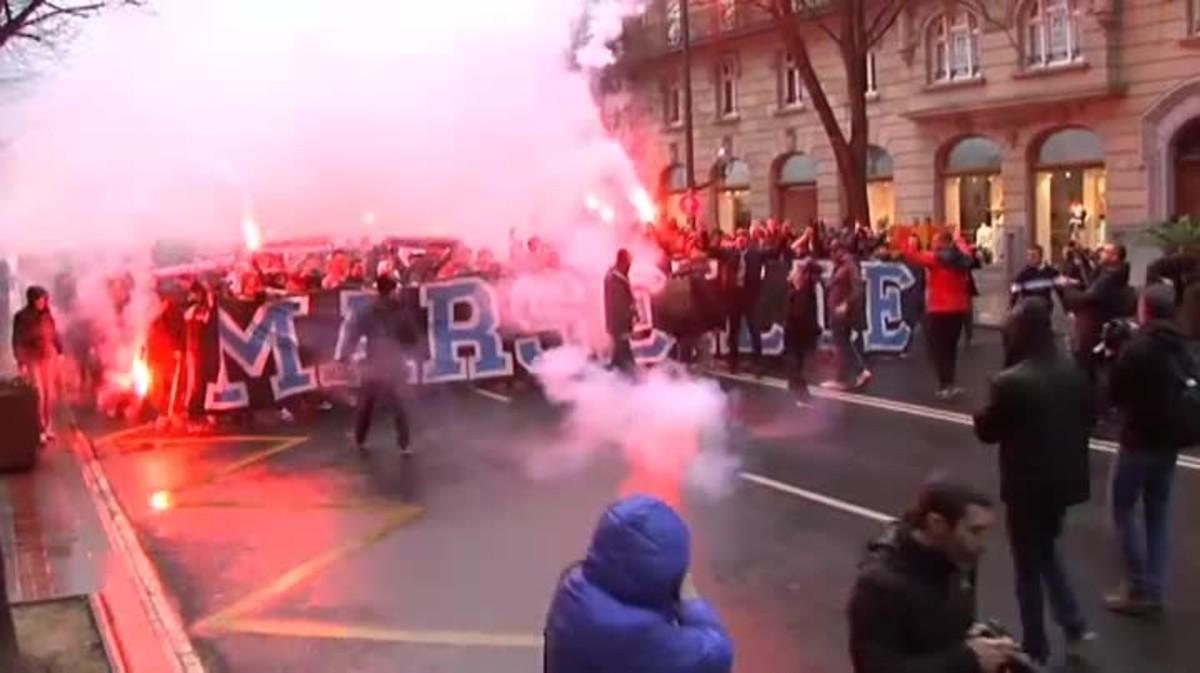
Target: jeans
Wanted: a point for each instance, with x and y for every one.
(850, 362)
(1144, 476)
(1033, 531)
(943, 332)
(798, 352)
(742, 308)
(390, 393)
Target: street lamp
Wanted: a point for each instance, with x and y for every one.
(689, 129)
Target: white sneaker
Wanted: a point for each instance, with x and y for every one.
(835, 385)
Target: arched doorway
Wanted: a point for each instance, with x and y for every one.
(881, 191)
(1070, 191)
(731, 191)
(1185, 150)
(972, 188)
(671, 188)
(796, 189)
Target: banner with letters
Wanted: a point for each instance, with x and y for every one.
(255, 355)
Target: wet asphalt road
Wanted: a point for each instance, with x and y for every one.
(297, 554)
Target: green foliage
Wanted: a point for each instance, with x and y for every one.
(1182, 235)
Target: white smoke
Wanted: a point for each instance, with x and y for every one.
(671, 428)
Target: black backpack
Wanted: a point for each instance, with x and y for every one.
(1185, 405)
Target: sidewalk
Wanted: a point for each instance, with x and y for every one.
(58, 534)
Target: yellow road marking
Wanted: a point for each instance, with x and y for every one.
(302, 572)
(304, 628)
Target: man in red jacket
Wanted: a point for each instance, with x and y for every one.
(947, 304)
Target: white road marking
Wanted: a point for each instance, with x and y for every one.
(958, 418)
(842, 505)
(493, 396)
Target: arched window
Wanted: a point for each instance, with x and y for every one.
(972, 187)
(1051, 33)
(1070, 191)
(881, 192)
(954, 47)
(731, 185)
(796, 189)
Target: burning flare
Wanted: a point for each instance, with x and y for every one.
(646, 210)
(252, 234)
(141, 377)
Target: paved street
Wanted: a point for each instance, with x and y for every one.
(286, 551)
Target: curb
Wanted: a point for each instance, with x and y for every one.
(163, 618)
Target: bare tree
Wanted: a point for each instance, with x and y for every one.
(854, 27)
(40, 21)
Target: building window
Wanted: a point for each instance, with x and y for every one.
(727, 89)
(872, 81)
(674, 22)
(728, 17)
(791, 91)
(1051, 33)
(673, 103)
(954, 47)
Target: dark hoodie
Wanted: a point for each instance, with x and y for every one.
(620, 611)
(1145, 384)
(911, 609)
(1041, 412)
(34, 334)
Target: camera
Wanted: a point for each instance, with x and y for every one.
(1020, 662)
(1113, 337)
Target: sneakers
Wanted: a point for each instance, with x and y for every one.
(1080, 647)
(949, 393)
(835, 385)
(864, 377)
(1124, 601)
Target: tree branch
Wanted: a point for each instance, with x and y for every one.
(883, 21)
(56, 10)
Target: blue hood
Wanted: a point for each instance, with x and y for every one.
(639, 553)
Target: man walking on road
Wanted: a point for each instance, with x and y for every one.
(37, 348)
(1041, 411)
(390, 328)
(1154, 386)
(913, 605)
(846, 301)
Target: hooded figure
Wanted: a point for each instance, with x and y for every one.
(36, 345)
(620, 610)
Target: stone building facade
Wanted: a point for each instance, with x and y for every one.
(1050, 119)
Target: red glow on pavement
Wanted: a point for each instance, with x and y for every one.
(160, 501)
(141, 377)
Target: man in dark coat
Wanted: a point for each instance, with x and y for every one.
(620, 311)
(912, 609)
(743, 268)
(1041, 412)
(1037, 279)
(629, 607)
(803, 328)
(390, 327)
(1147, 387)
(1107, 297)
(36, 346)
(846, 303)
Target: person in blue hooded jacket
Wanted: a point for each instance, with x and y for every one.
(625, 608)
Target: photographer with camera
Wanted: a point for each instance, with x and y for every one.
(1107, 297)
(1155, 386)
(1041, 412)
(913, 605)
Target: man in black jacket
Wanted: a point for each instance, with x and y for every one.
(802, 329)
(37, 347)
(390, 327)
(1107, 297)
(620, 310)
(744, 267)
(1146, 388)
(1041, 412)
(1037, 279)
(913, 605)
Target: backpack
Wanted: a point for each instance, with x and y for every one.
(1185, 406)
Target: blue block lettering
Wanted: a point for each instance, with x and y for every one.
(447, 335)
